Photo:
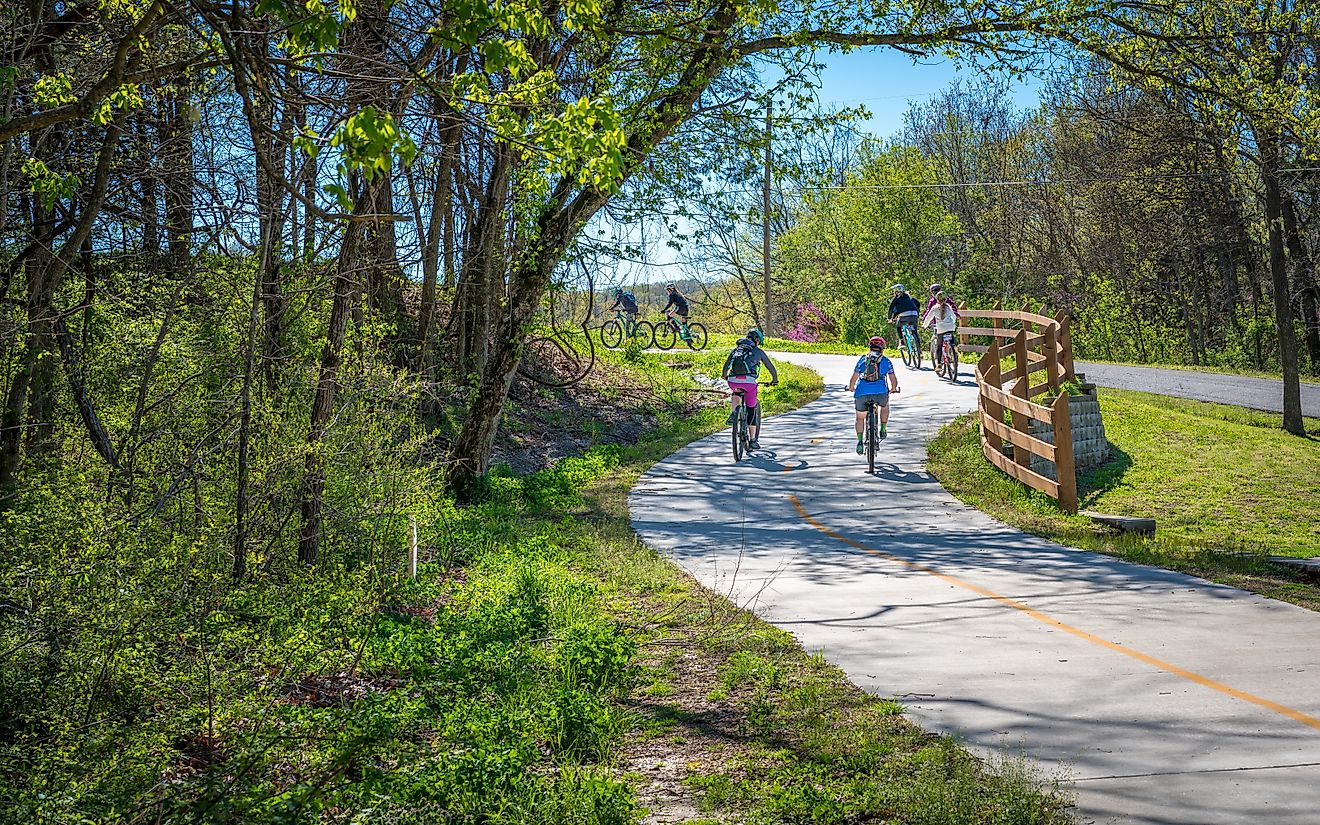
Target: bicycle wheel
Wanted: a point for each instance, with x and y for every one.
(697, 336)
(665, 336)
(946, 362)
(914, 341)
(611, 334)
(905, 349)
(739, 427)
(645, 334)
(953, 363)
(871, 437)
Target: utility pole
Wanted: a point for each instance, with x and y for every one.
(768, 326)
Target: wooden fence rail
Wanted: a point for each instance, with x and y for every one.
(1038, 346)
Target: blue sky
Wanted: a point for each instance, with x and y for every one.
(887, 82)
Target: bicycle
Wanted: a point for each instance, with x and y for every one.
(909, 344)
(613, 331)
(871, 433)
(672, 331)
(947, 367)
(741, 435)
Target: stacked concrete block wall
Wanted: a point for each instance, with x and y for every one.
(1090, 446)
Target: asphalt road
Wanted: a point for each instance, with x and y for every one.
(1161, 697)
(1238, 390)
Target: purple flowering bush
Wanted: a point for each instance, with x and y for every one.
(810, 322)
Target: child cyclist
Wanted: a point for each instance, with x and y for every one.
(872, 381)
(943, 316)
(740, 370)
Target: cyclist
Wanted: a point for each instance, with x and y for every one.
(872, 381)
(903, 310)
(679, 303)
(943, 316)
(934, 294)
(740, 370)
(626, 301)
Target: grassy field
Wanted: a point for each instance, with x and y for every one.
(1226, 486)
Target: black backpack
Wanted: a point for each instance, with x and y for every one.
(743, 360)
(872, 371)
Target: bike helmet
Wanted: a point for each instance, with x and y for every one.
(877, 343)
(756, 335)
(898, 288)
(618, 290)
(671, 287)
(936, 288)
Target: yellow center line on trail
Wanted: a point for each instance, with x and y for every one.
(1160, 664)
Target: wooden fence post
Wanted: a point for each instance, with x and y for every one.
(998, 323)
(1065, 466)
(1065, 347)
(1050, 349)
(1021, 423)
(990, 377)
(962, 339)
(412, 547)
(1023, 359)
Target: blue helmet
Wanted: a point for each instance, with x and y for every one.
(756, 335)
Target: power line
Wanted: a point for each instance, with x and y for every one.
(1004, 183)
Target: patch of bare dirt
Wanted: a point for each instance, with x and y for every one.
(561, 405)
(686, 732)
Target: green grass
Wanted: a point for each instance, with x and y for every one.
(719, 341)
(1225, 485)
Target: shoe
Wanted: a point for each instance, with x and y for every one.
(753, 444)
(860, 448)
(733, 416)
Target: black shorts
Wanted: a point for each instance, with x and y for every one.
(880, 399)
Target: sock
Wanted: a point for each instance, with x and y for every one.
(882, 428)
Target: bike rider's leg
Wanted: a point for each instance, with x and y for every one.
(861, 426)
(753, 426)
(884, 419)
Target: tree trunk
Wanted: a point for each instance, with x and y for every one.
(179, 189)
(1292, 388)
(345, 287)
(1304, 279)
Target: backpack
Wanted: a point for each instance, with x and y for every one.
(629, 298)
(743, 360)
(872, 371)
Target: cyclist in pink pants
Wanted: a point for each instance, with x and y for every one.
(740, 370)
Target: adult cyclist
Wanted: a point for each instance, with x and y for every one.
(872, 381)
(627, 302)
(679, 304)
(740, 370)
(903, 310)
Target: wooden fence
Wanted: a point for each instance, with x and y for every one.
(1036, 344)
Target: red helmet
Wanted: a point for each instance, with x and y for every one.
(877, 342)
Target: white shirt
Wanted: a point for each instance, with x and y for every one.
(949, 323)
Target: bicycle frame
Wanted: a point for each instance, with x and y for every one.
(629, 324)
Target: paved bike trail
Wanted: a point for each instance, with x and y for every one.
(1238, 390)
(1164, 698)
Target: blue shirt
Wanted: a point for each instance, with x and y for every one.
(865, 387)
